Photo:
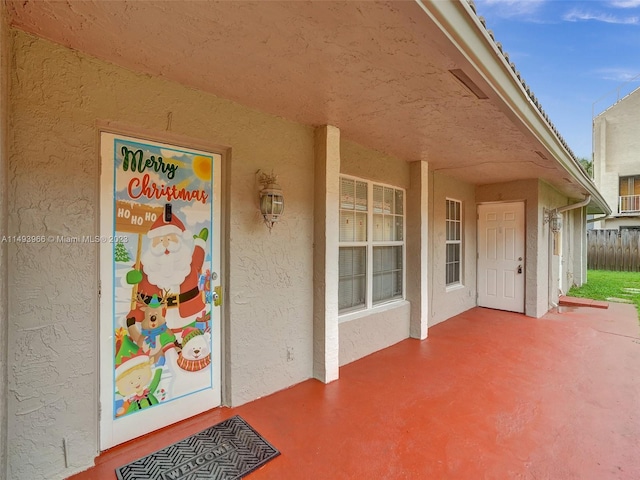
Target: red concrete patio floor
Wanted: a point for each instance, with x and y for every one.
(490, 395)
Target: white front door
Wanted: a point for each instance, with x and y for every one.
(501, 256)
(159, 268)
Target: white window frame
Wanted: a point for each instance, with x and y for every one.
(369, 244)
(458, 283)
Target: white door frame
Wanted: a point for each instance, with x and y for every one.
(219, 244)
(508, 256)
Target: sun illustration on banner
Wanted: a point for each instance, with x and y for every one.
(202, 167)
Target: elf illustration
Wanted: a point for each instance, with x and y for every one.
(136, 381)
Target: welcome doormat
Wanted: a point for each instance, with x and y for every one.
(229, 450)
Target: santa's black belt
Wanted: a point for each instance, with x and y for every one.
(176, 300)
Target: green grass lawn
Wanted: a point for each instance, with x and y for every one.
(603, 285)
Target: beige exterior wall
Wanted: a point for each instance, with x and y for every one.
(616, 147)
(562, 264)
(536, 284)
(574, 259)
(5, 42)
(369, 331)
(375, 331)
(444, 301)
(374, 166)
(57, 96)
(547, 273)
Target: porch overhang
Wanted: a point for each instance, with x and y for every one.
(398, 77)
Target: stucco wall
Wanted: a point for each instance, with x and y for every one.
(5, 42)
(574, 249)
(363, 336)
(446, 302)
(373, 331)
(542, 288)
(536, 248)
(57, 96)
(373, 165)
(550, 198)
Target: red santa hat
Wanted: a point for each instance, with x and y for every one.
(160, 227)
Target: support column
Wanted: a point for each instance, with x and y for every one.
(326, 254)
(417, 249)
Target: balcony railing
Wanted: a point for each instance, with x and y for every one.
(629, 204)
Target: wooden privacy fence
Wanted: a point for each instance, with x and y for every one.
(613, 250)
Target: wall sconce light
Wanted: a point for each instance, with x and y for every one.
(271, 199)
(556, 222)
(554, 219)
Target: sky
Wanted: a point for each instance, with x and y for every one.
(578, 57)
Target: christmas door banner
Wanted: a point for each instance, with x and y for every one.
(162, 281)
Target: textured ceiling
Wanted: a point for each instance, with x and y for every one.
(378, 71)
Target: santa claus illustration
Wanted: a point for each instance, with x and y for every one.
(172, 263)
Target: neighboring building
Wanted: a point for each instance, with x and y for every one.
(616, 161)
(420, 177)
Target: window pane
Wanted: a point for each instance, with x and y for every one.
(398, 257)
(389, 225)
(361, 227)
(387, 273)
(377, 287)
(347, 220)
(361, 196)
(387, 258)
(378, 193)
(346, 262)
(397, 284)
(352, 283)
(399, 228)
(383, 287)
(359, 289)
(378, 227)
(453, 263)
(388, 200)
(377, 259)
(359, 260)
(347, 193)
(345, 293)
(624, 186)
(399, 202)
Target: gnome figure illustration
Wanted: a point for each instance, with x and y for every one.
(172, 263)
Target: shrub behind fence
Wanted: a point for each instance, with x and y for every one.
(613, 250)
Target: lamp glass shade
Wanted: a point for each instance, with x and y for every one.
(271, 202)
